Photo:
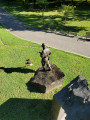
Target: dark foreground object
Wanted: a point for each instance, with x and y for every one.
(73, 101)
(46, 81)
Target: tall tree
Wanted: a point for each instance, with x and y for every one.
(67, 11)
(34, 3)
(42, 3)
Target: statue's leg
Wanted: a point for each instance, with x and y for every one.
(43, 63)
(49, 66)
(47, 63)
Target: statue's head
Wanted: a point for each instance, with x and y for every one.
(43, 46)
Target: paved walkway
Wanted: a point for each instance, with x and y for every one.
(50, 39)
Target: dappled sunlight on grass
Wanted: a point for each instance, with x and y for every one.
(79, 23)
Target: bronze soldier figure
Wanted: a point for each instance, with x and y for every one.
(45, 57)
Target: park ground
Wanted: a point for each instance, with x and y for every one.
(16, 100)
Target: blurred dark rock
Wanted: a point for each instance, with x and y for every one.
(73, 101)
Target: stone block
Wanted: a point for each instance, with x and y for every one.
(46, 81)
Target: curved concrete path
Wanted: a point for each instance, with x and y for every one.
(50, 39)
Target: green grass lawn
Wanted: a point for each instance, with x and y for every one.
(16, 101)
(79, 24)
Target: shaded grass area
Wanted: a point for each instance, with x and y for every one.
(27, 109)
(79, 24)
(16, 101)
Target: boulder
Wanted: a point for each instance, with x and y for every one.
(73, 101)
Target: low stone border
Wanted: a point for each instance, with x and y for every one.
(68, 34)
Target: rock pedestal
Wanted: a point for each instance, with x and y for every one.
(73, 101)
(46, 81)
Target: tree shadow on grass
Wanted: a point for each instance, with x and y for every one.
(18, 69)
(72, 28)
(25, 109)
(82, 14)
(36, 22)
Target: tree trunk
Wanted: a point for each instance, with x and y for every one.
(72, 1)
(34, 3)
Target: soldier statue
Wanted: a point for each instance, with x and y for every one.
(45, 58)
